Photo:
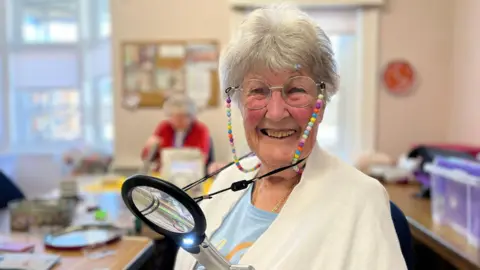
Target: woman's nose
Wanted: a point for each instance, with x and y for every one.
(276, 107)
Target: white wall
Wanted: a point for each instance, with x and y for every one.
(464, 95)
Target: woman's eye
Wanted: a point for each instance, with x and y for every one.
(258, 91)
(296, 90)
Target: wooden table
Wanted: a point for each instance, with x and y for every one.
(440, 238)
(130, 253)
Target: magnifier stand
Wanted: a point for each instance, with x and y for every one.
(211, 259)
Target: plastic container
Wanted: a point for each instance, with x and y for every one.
(438, 197)
(27, 214)
(456, 195)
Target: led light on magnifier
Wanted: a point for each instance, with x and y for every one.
(188, 241)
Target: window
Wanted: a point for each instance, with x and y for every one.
(47, 21)
(104, 19)
(47, 117)
(54, 60)
(3, 85)
(36, 30)
(100, 110)
(336, 134)
(106, 109)
(3, 115)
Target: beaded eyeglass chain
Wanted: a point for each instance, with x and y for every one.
(318, 106)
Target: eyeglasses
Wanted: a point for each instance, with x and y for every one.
(299, 91)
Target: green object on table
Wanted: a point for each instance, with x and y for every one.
(100, 215)
(138, 225)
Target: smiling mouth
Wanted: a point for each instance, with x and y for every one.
(278, 134)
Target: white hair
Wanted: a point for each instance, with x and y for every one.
(179, 103)
(279, 37)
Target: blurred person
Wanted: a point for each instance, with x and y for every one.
(181, 129)
(280, 71)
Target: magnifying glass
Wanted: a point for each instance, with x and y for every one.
(170, 211)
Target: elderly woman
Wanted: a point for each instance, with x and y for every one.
(322, 214)
(182, 129)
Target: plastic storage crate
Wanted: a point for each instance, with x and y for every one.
(25, 214)
(455, 193)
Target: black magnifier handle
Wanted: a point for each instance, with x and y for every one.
(243, 184)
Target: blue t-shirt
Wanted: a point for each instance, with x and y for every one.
(242, 227)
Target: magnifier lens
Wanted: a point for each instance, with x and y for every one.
(162, 209)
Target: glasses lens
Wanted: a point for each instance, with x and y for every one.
(255, 94)
(300, 91)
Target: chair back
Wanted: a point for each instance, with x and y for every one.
(403, 233)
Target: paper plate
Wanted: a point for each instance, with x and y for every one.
(80, 237)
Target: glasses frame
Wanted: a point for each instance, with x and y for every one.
(319, 85)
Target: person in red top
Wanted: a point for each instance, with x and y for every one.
(181, 129)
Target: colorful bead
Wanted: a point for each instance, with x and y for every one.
(301, 143)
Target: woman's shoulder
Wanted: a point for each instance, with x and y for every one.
(365, 183)
(368, 193)
(354, 185)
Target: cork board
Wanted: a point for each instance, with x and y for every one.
(153, 70)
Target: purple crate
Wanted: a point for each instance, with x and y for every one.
(437, 195)
(473, 169)
(474, 227)
(462, 209)
(456, 211)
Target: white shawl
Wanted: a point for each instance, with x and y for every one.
(335, 218)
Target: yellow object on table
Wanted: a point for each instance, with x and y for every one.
(115, 184)
(106, 185)
(109, 184)
(207, 185)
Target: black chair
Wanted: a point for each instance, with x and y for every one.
(403, 233)
(8, 191)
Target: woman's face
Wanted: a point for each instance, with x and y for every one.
(274, 132)
(180, 121)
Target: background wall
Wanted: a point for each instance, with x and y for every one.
(465, 92)
(419, 31)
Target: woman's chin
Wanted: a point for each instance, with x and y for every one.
(276, 157)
